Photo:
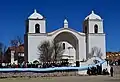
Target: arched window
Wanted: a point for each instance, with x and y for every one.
(96, 28)
(37, 28)
(63, 45)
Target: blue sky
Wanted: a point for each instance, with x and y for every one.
(13, 14)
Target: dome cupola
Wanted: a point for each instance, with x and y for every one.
(93, 16)
(35, 15)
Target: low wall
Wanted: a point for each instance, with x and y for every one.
(31, 74)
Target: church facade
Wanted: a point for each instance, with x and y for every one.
(78, 45)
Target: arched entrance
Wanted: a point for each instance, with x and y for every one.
(71, 39)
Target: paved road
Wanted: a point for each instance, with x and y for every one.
(64, 79)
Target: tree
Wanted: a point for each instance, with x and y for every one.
(45, 51)
(19, 40)
(95, 51)
(1, 46)
(50, 51)
(16, 42)
(58, 50)
(2, 51)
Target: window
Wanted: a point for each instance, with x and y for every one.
(116, 54)
(37, 28)
(63, 45)
(96, 28)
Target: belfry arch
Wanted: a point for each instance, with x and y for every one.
(71, 39)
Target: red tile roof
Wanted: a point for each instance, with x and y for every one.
(19, 49)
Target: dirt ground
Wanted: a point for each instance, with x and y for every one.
(64, 79)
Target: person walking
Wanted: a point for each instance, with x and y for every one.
(111, 71)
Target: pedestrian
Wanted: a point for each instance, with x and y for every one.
(111, 71)
(88, 71)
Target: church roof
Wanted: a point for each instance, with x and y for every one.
(35, 15)
(93, 16)
(19, 49)
(64, 29)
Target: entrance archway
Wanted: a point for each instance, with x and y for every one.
(71, 39)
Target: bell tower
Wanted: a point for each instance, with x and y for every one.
(36, 23)
(93, 24)
(95, 37)
(35, 27)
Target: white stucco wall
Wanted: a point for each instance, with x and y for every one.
(97, 40)
(34, 41)
(12, 56)
(32, 24)
(75, 38)
(80, 46)
(69, 53)
(92, 23)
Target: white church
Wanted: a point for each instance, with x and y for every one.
(78, 45)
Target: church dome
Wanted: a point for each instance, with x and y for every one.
(93, 16)
(35, 15)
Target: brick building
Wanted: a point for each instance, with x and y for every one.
(113, 56)
(14, 54)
